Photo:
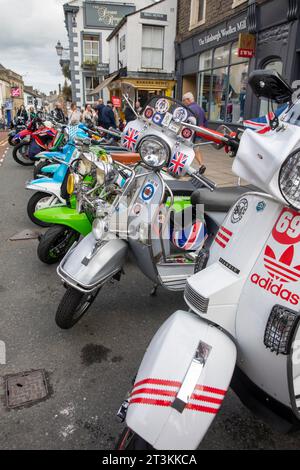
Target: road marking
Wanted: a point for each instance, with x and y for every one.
(2, 157)
(3, 142)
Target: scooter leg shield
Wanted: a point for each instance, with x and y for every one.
(181, 383)
(87, 266)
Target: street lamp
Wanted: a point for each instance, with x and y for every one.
(59, 49)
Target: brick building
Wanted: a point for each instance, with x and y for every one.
(207, 53)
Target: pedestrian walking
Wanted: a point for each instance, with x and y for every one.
(108, 117)
(22, 113)
(89, 115)
(58, 113)
(99, 108)
(189, 101)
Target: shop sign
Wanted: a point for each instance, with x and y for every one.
(246, 46)
(154, 16)
(116, 101)
(8, 105)
(105, 15)
(103, 68)
(16, 92)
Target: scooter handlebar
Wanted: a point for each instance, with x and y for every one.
(214, 136)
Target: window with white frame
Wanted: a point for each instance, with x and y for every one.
(198, 13)
(91, 49)
(90, 84)
(237, 3)
(153, 47)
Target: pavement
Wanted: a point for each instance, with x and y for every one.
(89, 368)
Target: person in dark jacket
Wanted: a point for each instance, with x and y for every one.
(58, 113)
(108, 117)
(99, 108)
(22, 113)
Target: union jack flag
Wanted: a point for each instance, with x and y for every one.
(130, 139)
(190, 238)
(177, 163)
(262, 124)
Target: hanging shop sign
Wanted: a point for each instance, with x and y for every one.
(154, 16)
(246, 47)
(15, 92)
(116, 101)
(105, 15)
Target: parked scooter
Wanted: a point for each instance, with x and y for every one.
(164, 245)
(243, 325)
(19, 125)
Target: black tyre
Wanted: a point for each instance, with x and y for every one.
(55, 243)
(38, 201)
(20, 154)
(72, 307)
(11, 142)
(37, 170)
(129, 440)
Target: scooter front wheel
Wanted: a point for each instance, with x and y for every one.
(21, 154)
(38, 201)
(129, 440)
(55, 243)
(72, 307)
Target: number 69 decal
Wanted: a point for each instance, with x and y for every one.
(287, 228)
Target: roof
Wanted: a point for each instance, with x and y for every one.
(123, 20)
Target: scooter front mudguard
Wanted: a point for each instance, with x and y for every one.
(87, 266)
(46, 185)
(181, 383)
(67, 216)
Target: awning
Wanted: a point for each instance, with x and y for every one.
(104, 84)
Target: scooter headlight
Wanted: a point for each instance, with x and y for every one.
(154, 152)
(71, 184)
(84, 166)
(289, 179)
(98, 229)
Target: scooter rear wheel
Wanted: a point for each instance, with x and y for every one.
(55, 243)
(72, 307)
(20, 154)
(129, 440)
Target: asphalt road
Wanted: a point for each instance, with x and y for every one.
(90, 367)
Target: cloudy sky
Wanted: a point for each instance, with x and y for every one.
(29, 31)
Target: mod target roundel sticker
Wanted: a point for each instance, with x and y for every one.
(186, 133)
(148, 192)
(162, 106)
(287, 228)
(149, 112)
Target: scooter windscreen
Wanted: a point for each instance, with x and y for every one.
(163, 121)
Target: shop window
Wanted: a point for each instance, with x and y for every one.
(90, 84)
(198, 12)
(153, 47)
(91, 48)
(222, 82)
(277, 65)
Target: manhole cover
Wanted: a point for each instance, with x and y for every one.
(25, 235)
(25, 388)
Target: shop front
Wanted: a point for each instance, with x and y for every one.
(141, 89)
(210, 63)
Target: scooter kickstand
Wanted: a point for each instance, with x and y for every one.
(154, 290)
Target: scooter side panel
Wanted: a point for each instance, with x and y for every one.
(163, 370)
(274, 280)
(103, 262)
(62, 215)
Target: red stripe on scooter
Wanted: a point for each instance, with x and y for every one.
(154, 391)
(203, 409)
(226, 231)
(220, 243)
(204, 388)
(207, 399)
(168, 383)
(226, 239)
(150, 401)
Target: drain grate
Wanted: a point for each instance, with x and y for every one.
(26, 388)
(25, 235)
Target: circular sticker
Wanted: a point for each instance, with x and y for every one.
(239, 211)
(287, 228)
(149, 113)
(180, 114)
(148, 192)
(186, 133)
(137, 209)
(162, 106)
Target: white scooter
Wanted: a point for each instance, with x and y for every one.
(243, 325)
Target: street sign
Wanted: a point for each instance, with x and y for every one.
(246, 47)
(16, 92)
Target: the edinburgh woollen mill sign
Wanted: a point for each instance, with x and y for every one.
(105, 15)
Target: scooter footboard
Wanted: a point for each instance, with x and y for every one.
(86, 267)
(181, 383)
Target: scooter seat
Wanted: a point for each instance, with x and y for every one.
(181, 187)
(221, 199)
(126, 158)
